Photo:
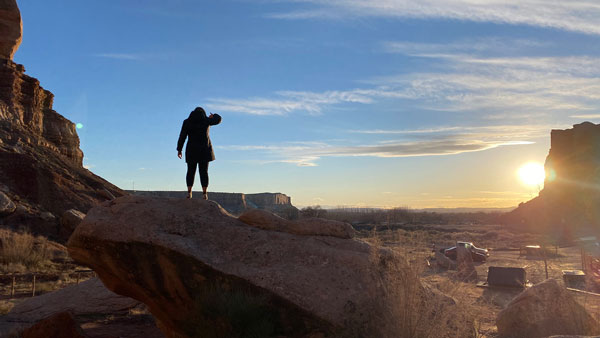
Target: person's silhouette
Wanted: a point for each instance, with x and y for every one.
(198, 151)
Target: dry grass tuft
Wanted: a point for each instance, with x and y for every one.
(20, 251)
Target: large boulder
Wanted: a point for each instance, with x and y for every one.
(86, 298)
(204, 273)
(309, 226)
(11, 27)
(544, 310)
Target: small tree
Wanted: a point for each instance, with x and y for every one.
(315, 211)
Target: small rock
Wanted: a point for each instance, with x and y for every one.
(60, 325)
(6, 205)
(47, 216)
(69, 221)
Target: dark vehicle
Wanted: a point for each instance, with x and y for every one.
(478, 254)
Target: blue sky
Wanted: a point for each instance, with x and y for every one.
(342, 102)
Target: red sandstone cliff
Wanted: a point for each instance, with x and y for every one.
(570, 200)
(41, 168)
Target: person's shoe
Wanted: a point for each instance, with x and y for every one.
(189, 195)
(205, 196)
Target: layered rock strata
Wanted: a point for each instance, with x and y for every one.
(41, 169)
(569, 201)
(188, 259)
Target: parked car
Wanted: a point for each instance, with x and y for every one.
(478, 254)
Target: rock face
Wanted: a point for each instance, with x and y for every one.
(11, 27)
(237, 203)
(40, 160)
(544, 310)
(202, 272)
(571, 193)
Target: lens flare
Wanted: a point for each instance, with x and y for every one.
(532, 173)
(79, 126)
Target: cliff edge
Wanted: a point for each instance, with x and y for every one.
(41, 171)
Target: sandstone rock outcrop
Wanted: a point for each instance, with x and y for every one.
(571, 194)
(188, 260)
(40, 161)
(11, 27)
(89, 297)
(544, 310)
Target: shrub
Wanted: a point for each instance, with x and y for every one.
(23, 249)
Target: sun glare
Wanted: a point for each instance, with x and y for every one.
(532, 173)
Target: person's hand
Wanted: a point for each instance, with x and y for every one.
(179, 154)
(211, 115)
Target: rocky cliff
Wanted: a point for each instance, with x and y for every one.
(41, 172)
(236, 203)
(569, 202)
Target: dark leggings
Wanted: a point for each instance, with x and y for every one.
(191, 172)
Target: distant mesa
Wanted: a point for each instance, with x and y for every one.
(41, 170)
(237, 203)
(11, 28)
(569, 203)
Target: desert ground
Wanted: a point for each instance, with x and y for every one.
(56, 270)
(483, 303)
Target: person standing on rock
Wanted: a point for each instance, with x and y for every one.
(198, 151)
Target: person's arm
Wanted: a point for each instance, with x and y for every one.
(214, 119)
(181, 140)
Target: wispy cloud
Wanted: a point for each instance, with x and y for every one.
(120, 56)
(285, 102)
(433, 145)
(586, 116)
(489, 45)
(575, 15)
(494, 88)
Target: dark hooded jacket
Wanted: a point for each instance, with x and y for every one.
(196, 129)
